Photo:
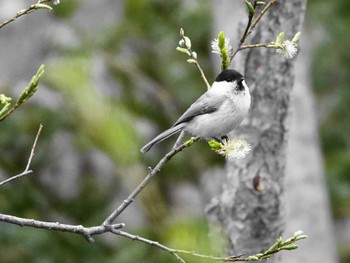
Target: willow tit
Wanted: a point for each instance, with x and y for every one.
(214, 114)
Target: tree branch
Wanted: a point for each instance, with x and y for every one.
(26, 170)
(185, 47)
(37, 6)
(251, 25)
(87, 232)
(147, 179)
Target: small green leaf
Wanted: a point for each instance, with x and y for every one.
(290, 247)
(298, 233)
(20, 12)
(252, 258)
(187, 42)
(43, 6)
(296, 37)
(214, 145)
(300, 237)
(221, 40)
(183, 50)
(189, 143)
(225, 60)
(32, 87)
(250, 7)
(182, 32)
(4, 99)
(182, 43)
(191, 60)
(7, 103)
(280, 37)
(194, 55)
(278, 243)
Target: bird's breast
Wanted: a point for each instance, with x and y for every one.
(216, 124)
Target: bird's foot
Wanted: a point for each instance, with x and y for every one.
(222, 140)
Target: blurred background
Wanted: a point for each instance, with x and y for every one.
(113, 80)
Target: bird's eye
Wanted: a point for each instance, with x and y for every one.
(240, 85)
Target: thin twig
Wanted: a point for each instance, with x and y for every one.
(202, 74)
(251, 25)
(26, 170)
(25, 12)
(194, 58)
(247, 28)
(149, 242)
(257, 19)
(87, 232)
(145, 182)
(256, 46)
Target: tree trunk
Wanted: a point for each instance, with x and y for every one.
(250, 207)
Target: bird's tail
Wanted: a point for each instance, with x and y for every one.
(161, 137)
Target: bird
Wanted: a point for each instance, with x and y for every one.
(215, 113)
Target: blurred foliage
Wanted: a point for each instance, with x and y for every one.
(145, 80)
(331, 81)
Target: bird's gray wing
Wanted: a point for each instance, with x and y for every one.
(207, 103)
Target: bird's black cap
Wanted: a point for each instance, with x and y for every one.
(229, 75)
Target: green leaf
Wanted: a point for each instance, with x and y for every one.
(4, 99)
(191, 60)
(43, 6)
(182, 32)
(221, 40)
(32, 87)
(225, 60)
(280, 37)
(250, 8)
(298, 233)
(300, 237)
(7, 103)
(296, 37)
(290, 247)
(214, 145)
(189, 143)
(187, 42)
(183, 50)
(252, 258)
(278, 243)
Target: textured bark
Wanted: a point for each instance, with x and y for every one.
(250, 207)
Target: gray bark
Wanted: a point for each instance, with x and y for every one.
(249, 208)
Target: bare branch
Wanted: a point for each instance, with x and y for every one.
(149, 242)
(256, 46)
(87, 232)
(145, 181)
(192, 55)
(29, 10)
(251, 25)
(26, 170)
(257, 19)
